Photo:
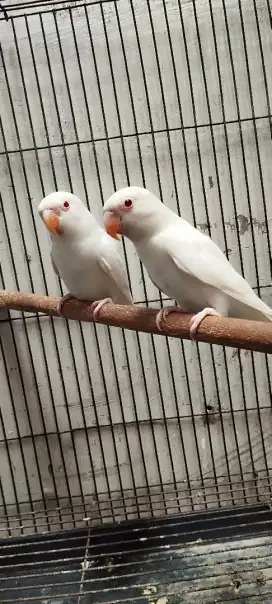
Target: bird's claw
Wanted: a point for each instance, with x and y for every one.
(164, 312)
(62, 302)
(97, 305)
(198, 318)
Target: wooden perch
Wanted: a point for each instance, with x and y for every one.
(250, 335)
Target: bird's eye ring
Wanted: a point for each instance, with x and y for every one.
(66, 205)
(128, 203)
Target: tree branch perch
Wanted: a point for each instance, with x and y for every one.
(250, 335)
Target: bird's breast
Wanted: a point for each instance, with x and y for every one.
(81, 273)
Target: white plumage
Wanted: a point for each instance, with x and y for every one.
(181, 261)
(84, 256)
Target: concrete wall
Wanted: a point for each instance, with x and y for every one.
(141, 76)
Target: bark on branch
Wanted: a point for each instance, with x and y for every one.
(250, 335)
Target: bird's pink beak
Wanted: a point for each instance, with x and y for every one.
(51, 219)
(112, 224)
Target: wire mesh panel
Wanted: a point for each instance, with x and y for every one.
(98, 424)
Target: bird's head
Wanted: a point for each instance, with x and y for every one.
(133, 212)
(64, 214)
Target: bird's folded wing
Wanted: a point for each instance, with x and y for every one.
(54, 266)
(114, 268)
(203, 259)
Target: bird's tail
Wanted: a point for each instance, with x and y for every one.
(259, 312)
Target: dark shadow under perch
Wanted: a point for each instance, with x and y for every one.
(249, 335)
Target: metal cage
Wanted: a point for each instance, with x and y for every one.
(97, 424)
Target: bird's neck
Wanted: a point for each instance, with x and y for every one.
(151, 226)
(80, 229)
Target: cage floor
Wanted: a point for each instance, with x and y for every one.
(223, 556)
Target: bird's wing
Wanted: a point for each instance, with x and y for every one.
(111, 263)
(53, 265)
(197, 255)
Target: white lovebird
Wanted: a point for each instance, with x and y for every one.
(181, 261)
(82, 254)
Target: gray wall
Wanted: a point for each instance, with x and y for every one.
(63, 385)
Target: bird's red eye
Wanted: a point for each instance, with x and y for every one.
(128, 203)
(66, 204)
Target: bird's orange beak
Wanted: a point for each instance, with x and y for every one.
(112, 224)
(51, 219)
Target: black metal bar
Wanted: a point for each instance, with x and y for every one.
(262, 194)
(25, 329)
(33, 3)
(124, 495)
(144, 285)
(108, 330)
(252, 231)
(140, 133)
(236, 480)
(175, 503)
(29, 271)
(140, 440)
(25, 6)
(155, 420)
(55, 183)
(123, 333)
(5, 440)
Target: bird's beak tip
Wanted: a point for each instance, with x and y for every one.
(112, 225)
(51, 220)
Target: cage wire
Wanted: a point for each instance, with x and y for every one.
(100, 424)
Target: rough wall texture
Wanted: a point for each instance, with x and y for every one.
(175, 96)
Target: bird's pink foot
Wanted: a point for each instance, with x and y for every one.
(97, 305)
(196, 319)
(62, 302)
(164, 312)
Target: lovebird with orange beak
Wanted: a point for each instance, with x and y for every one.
(83, 255)
(181, 261)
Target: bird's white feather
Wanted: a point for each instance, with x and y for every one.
(190, 267)
(84, 256)
(181, 261)
(113, 267)
(53, 264)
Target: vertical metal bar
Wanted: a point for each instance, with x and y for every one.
(128, 181)
(159, 183)
(252, 231)
(143, 180)
(86, 193)
(55, 183)
(13, 334)
(143, 280)
(77, 143)
(137, 336)
(97, 342)
(192, 206)
(209, 230)
(123, 333)
(13, 480)
(36, 236)
(4, 505)
(84, 568)
(224, 229)
(29, 272)
(222, 214)
(262, 193)
(255, 128)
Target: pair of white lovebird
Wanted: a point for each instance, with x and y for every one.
(182, 262)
